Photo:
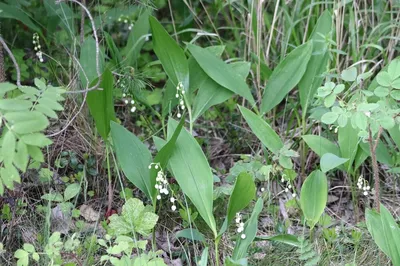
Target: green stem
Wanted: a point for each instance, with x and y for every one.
(216, 244)
(110, 189)
(303, 148)
(190, 115)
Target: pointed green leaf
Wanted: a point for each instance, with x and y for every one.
(321, 145)
(330, 161)
(193, 173)
(35, 153)
(71, 191)
(243, 192)
(21, 158)
(27, 122)
(88, 62)
(262, 130)
(220, 72)
(172, 57)
(36, 139)
(6, 87)
(348, 142)
(191, 234)
(286, 76)
(15, 105)
(101, 104)
(313, 196)
(312, 77)
(250, 231)
(133, 157)
(211, 93)
(385, 232)
(136, 38)
(8, 147)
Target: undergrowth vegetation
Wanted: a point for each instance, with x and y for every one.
(197, 132)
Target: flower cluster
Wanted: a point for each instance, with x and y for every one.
(363, 185)
(180, 92)
(161, 180)
(240, 225)
(288, 187)
(37, 47)
(162, 184)
(127, 101)
(126, 20)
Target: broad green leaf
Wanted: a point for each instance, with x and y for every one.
(387, 122)
(21, 157)
(211, 93)
(197, 76)
(220, 72)
(385, 232)
(88, 62)
(329, 118)
(262, 130)
(250, 231)
(172, 57)
(101, 104)
(394, 69)
(312, 77)
(36, 139)
(395, 134)
(330, 161)
(51, 103)
(191, 234)
(381, 91)
(46, 111)
(29, 247)
(40, 84)
(361, 156)
(243, 192)
(231, 262)
(365, 107)
(330, 100)
(8, 147)
(313, 196)
(6, 87)
(395, 94)
(348, 142)
(27, 122)
(134, 218)
(15, 12)
(133, 157)
(193, 173)
(204, 258)
(71, 191)
(15, 105)
(9, 174)
(35, 153)
(20, 253)
(286, 76)
(169, 101)
(349, 74)
(287, 239)
(321, 145)
(384, 79)
(137, 38)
